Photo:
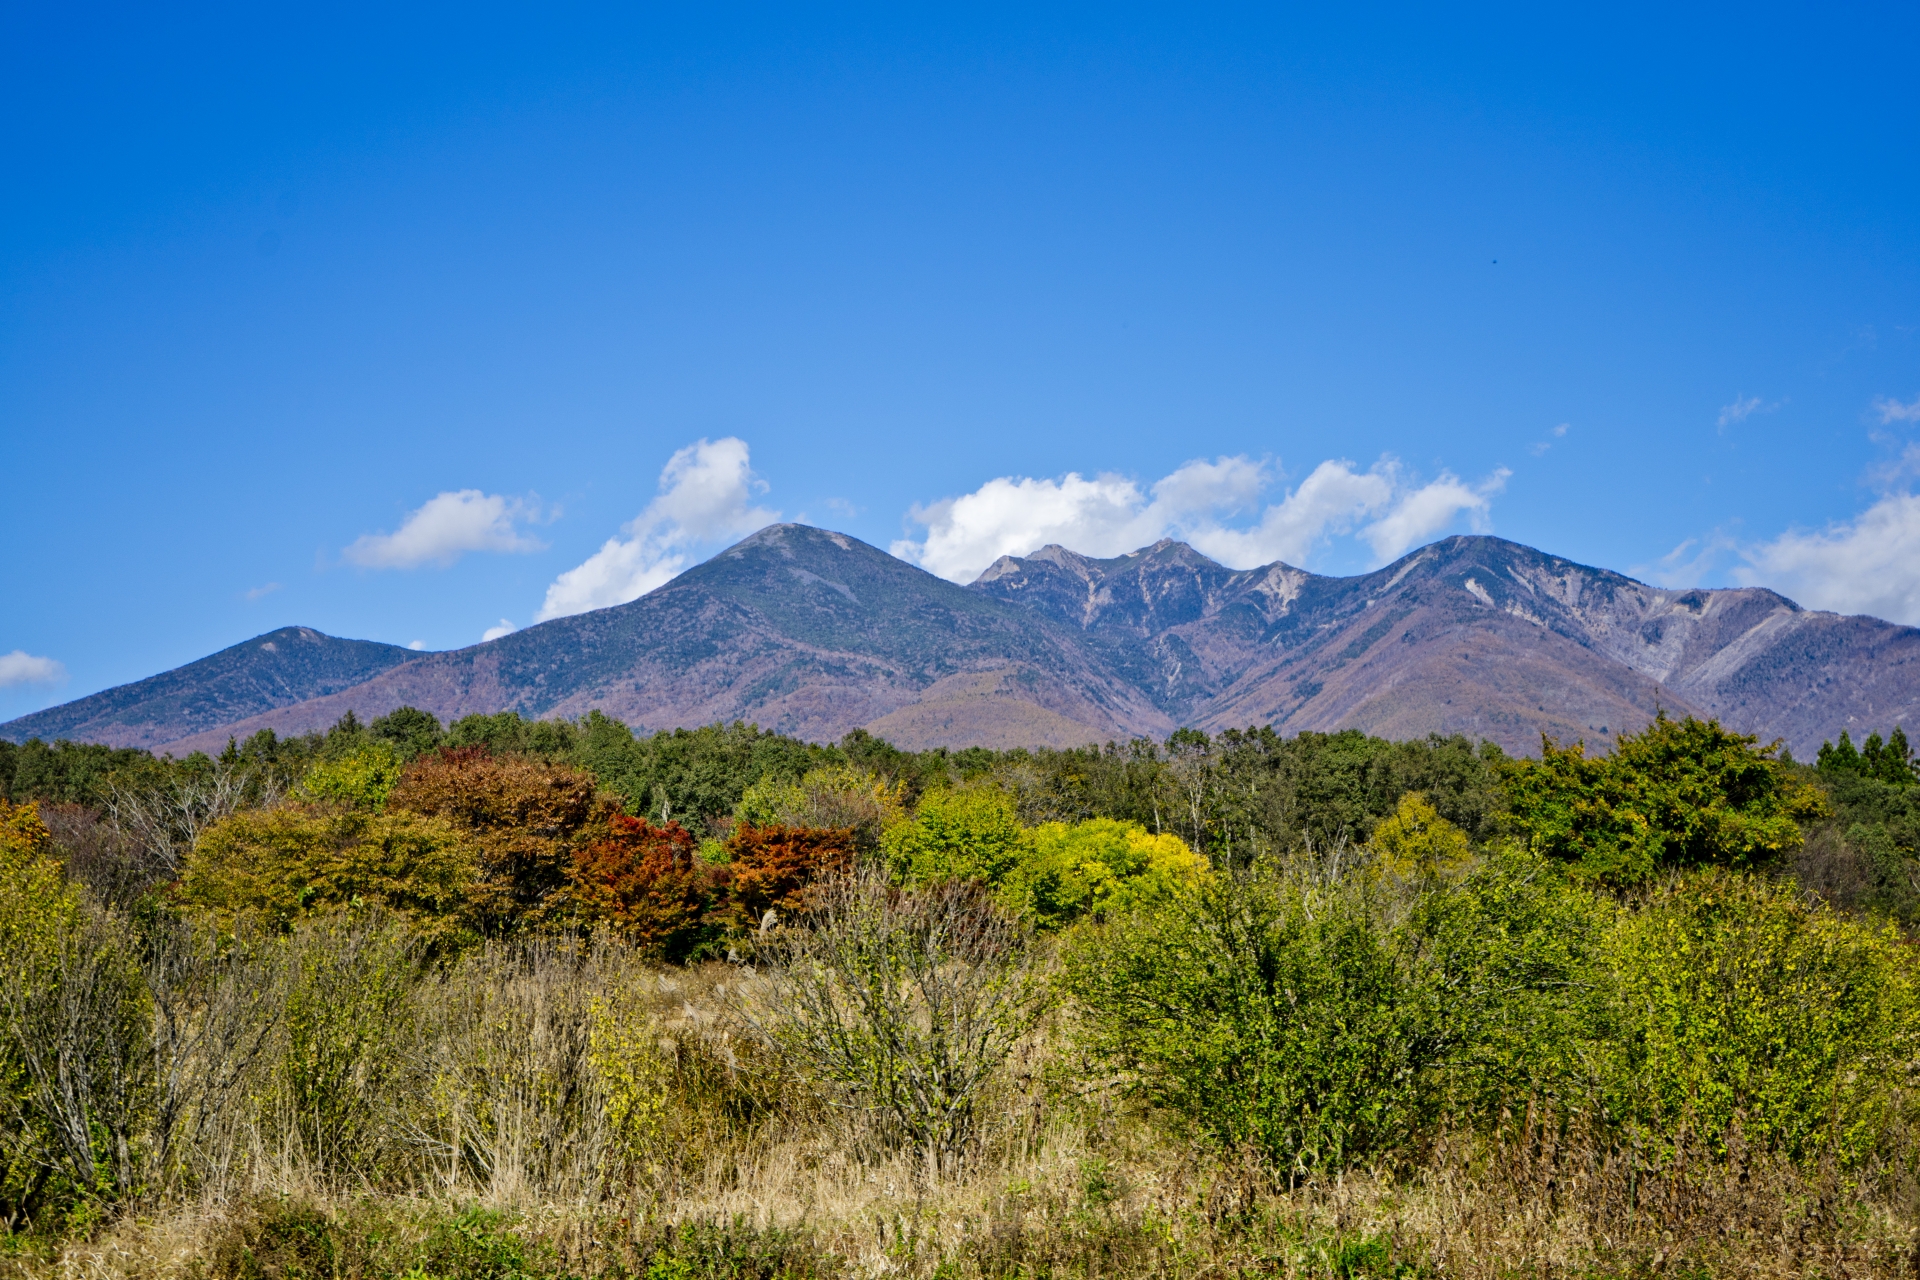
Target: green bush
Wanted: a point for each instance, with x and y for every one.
(1741, 1003)
(1271, 1013)
(970, 833)
(1512, 962)
(1682, 793)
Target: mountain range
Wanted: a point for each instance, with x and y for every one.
(814, 633)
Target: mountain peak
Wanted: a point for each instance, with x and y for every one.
(278, 668)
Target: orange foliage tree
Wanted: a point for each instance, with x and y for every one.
(771, 867)
(525, 818)
(645, 882)
(23, 836)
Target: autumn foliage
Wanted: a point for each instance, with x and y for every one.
(645, 882)
(525, 818)
(770, 869)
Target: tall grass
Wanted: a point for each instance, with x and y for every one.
(343, 1100)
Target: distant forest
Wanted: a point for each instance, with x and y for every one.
(1234, 797)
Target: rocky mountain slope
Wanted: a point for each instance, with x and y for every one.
(814, 633)
(1471, 635)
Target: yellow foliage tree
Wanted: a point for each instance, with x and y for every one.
(278, 864)
(361, 779)
(1416, 844)
(1096, 868)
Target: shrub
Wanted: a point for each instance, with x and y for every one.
(901, 1006)
(543, 1068)
(525, 819)
(645, 882)
(337, 1061)
(1739, 1002)
(1512, 962)
(1273, 1015)
(1097, 867)
(971, 833)
(278, 864)
(75, 1067)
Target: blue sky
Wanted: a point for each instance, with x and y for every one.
(386, 321)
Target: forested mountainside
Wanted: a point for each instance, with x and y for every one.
(801, 630)
(278, 669)
(813, 633)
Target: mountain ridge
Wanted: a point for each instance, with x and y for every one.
(813, 632)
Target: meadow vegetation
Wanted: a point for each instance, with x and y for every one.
(517, 1000)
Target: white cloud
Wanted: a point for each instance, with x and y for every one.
(1015, 515)
(1868, 565)
(419, 646)
(447, 527)
(1330, 501)
(1891, 410)
(505, 628)
(1420, 514)
(1689, 563)
(1109, 515)
(1539, 447)
(706, 494)
(255, 593)
(1742, 408)
(21, 667)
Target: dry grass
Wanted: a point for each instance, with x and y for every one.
(745, 1176)
(1126, 1204)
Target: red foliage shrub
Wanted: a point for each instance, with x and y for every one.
(771, 868)
(645, 882)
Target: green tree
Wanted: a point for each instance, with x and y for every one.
(969, 833)
(408, 730)
(1890, 761)
(1680, 793)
